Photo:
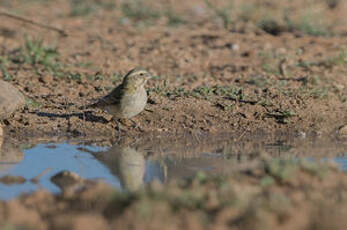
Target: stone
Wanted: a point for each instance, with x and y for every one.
(10, 99)
(10, 179)
(46, 79)
(66, 179)
(343, 130)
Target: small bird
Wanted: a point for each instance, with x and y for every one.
(129, 98)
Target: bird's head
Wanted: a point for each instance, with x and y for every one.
(136, 77)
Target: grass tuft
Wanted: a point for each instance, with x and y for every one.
(137, 10)
(223, 13)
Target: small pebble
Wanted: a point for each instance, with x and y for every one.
(301, 134)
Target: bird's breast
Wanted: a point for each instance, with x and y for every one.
(130, 104)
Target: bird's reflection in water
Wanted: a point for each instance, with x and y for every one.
(130, 166)
(134, 166)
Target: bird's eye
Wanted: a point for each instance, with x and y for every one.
(141, 74)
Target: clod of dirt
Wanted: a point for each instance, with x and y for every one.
(8, 179)
(66, 179)
(10, 99)
(46, 79)
(70, 182)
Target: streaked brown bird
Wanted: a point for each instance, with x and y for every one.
(129, 98)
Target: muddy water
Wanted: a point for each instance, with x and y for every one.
(129, 167)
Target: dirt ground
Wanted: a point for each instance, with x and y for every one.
(220, 67)
(240, 68)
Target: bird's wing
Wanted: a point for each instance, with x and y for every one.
(112, 98)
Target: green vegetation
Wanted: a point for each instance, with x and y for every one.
(174, 19)
(276, 22)
(9, 3)
(340, 59)
(5, 74)
(309, 25)
(286, 170)
(87, 7)
(259, 81)
(31, 103)
(42, 58)
(223, 13)
(35, 52)
(205, 92)
(271, 62)
(8, 226)
(282, 170)
(281, 116)
(137, 10)
(318, 93)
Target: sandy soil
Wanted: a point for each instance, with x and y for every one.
(241, 72)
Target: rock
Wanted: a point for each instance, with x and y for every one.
(10, 99)
(66, 179)
(70, 182)
(46, 79)
(9, 179)
(343, 130)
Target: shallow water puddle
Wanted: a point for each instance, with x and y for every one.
(43, 161)
(124, 167)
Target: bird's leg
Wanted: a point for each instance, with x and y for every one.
(116, 121)
(136, 125)
(84, 116)
(125, 121)
(119, 130)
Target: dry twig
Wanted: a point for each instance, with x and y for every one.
(19, 18)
